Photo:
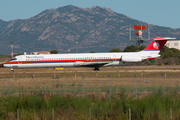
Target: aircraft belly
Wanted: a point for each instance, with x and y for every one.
(118, 63)
(125, 63)
(114, 63)
(40, 65)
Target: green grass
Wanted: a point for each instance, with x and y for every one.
(69, 106)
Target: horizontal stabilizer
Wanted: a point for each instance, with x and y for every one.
(163, 38)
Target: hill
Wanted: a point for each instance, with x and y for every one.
(95, 29)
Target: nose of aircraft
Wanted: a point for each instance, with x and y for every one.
(6, 65)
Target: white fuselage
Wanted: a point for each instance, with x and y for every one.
(79, 60)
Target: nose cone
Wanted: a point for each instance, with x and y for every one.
(6, 65)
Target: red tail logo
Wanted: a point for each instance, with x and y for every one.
(158, 43)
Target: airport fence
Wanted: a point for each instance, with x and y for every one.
(82, 84)
(98, 85)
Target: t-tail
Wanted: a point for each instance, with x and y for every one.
(158, 43)
(152, 51)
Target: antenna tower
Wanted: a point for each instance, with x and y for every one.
(12, 49)
(139, 32)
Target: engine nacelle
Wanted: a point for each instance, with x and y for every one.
(131, 58)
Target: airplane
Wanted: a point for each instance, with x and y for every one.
(95, 60)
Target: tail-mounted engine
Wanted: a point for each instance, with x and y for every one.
(131, 58)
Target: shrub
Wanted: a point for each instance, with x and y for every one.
(3, 108)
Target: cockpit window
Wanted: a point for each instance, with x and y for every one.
(13, 59)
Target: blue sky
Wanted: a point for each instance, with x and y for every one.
(159, 12)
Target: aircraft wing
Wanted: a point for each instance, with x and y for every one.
(90, 64)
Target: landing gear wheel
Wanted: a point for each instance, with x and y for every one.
(12, 70)
(96, 69)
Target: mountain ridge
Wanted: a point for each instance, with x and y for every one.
(95, 29)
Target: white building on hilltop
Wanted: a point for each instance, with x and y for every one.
(41, 52)
(173, 44)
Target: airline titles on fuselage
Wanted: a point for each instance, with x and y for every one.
(34, 56)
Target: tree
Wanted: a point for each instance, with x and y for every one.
(171, 52)
(164, 49)
(53, 51)
(142, 47)
(115, 50)
(134, 48)
(92, 52)
(131, 48)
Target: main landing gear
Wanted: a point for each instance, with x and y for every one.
(96, 69)
(12, 70)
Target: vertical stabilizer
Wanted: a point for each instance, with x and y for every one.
(158, 43)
